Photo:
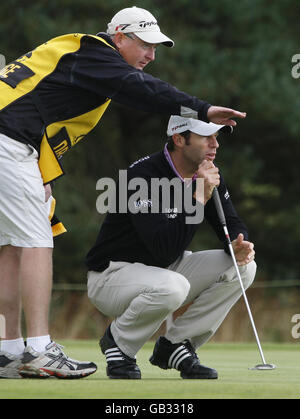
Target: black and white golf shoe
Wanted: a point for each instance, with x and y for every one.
(182, 357)
(119, 365)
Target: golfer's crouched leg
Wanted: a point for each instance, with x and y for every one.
(171, 292)
(139, 297)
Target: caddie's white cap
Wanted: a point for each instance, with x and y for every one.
(140, 22)
(178, 124)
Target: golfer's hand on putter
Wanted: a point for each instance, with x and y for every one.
(210, 174)
(243, 250)
(222, 116)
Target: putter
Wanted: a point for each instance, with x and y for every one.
(219, 208)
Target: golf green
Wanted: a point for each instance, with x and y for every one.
(231, 360)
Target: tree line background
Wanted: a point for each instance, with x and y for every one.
(231, 53)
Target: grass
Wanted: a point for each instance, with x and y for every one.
(232, 361)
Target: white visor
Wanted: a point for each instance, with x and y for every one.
(178, 124)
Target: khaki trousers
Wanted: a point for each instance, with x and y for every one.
(141, 297)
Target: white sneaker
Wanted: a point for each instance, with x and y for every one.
(53, 363)
(9, 365)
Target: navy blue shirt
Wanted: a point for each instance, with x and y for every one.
(156, 238)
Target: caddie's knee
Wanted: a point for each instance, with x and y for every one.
(248, 274)
(173, 290)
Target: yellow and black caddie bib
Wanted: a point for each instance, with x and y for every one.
(22, 76)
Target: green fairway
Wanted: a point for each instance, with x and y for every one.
(231, 361)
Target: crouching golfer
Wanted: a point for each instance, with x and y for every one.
(140, 271)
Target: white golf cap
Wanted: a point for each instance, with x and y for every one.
(178, 124)
(140, 22)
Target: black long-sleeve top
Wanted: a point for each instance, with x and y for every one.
(156, 239)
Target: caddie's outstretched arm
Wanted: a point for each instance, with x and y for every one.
(222, 116)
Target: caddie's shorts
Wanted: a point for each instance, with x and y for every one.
(24, 220)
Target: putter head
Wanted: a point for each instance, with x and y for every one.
(263, 367)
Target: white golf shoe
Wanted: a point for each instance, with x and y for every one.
(9, 365)
(53, 363)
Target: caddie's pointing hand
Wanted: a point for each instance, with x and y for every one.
(222, 116)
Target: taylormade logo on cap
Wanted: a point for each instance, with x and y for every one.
(145, 24)
(178, 124)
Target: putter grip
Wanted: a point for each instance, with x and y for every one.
(218, 205)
